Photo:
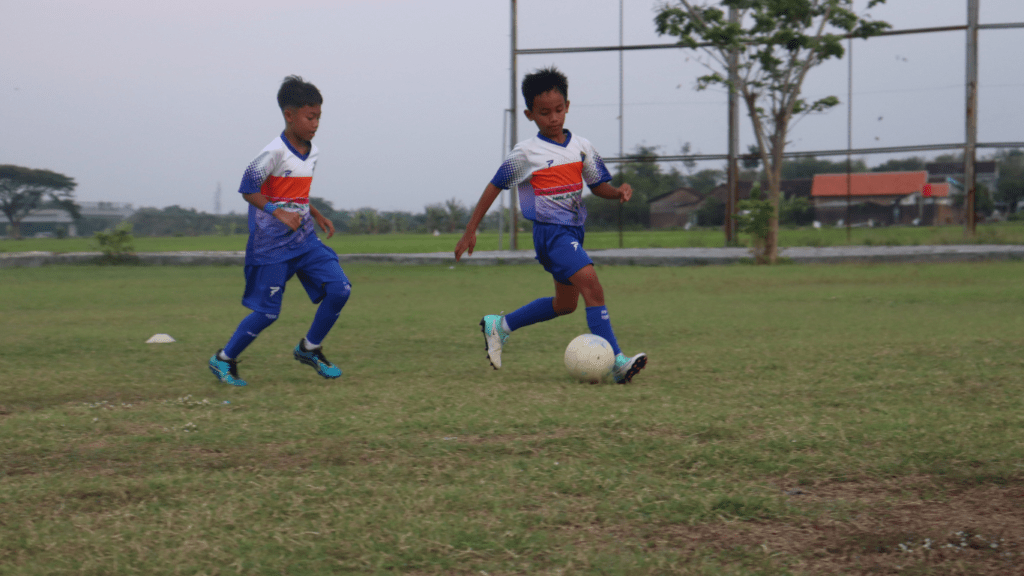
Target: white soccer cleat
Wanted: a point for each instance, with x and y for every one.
(494, 338)
(626, 368)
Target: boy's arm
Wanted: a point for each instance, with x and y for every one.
(325, 224)
(605, 190)
(289, 219)
(468, 240)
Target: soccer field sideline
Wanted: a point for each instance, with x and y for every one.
(612, 257)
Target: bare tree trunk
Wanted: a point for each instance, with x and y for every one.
(14, 229)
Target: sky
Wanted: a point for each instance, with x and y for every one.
(160, 103)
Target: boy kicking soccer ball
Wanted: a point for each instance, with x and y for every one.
(282, 241)
(549, 171)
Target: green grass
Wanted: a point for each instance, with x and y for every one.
(1003, 233)
(901, 382)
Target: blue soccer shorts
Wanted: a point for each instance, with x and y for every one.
(264, 285)
(560, 250)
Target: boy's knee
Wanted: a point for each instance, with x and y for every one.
(338, 291)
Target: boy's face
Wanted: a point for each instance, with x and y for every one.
(302, 122)
(548, 112)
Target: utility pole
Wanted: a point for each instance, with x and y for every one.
(512, 133)
(734, 141)
(849, 136)
(621, 113)
(970, 186)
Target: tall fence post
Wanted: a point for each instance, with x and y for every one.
(970, 150)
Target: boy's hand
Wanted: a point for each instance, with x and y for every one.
(466, 243)
(625, 193)
(326, 225)
(289, 219)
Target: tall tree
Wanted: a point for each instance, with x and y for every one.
(777, 42)
(23, 190)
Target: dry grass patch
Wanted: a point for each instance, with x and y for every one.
(900, 526)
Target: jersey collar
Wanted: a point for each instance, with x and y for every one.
(568, 137)
(294, 151)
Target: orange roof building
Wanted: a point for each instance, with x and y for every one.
(866, 184)
(882, 198)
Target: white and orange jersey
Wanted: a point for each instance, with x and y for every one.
(284, 177)
(281, 174)
(550, 177)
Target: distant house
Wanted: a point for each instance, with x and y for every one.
(986, 172)
(97, 215)
(882, 198)
(675, 209)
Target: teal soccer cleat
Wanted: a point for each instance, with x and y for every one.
(225, 370)
(494, 338)
(626, 368)
(317, 360)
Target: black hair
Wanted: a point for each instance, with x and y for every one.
(296, 93)
(544, 80)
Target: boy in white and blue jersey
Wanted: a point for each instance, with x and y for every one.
(282, 241)
(549, 171)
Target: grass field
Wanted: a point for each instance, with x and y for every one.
(1002, 233)
(792, 420)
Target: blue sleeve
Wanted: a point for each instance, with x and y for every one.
(512, 171)
(255, 174)
(594, 170)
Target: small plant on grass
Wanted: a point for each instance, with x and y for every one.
(117, 244)
(755, 219)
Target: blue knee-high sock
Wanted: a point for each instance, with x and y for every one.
(600, 324)
(540, 310)
(327, 313)
(247, 331)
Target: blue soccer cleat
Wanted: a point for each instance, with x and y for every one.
(494, 338)
(317, 360)
(225, 370)
(626, 368)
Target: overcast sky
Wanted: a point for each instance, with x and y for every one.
(158, 103)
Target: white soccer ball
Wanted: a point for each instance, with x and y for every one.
(589, 358)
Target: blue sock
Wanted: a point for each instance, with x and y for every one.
(247, 331)
(327, 313)
(600, 324)
(540, 310)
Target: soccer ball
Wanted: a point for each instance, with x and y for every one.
(589, 358)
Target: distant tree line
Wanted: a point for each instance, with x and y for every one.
(23, 190)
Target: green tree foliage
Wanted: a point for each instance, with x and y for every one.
(755, 218)
(711, 213)
(1010, 188)
(23, 190)
(809, 166)
(796, 211)
(706, 180)
(777, 42)
(117, 244)
(178, 221)
(912, 164)
(645, 175)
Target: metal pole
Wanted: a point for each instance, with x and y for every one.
(970, 186)
(849, 135)
(501, 195)
(621, 113)
(734, 141)
(512, 132)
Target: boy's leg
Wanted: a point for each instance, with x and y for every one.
(496, 328)
(264, 288)
(325, 282)
(600, 323)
